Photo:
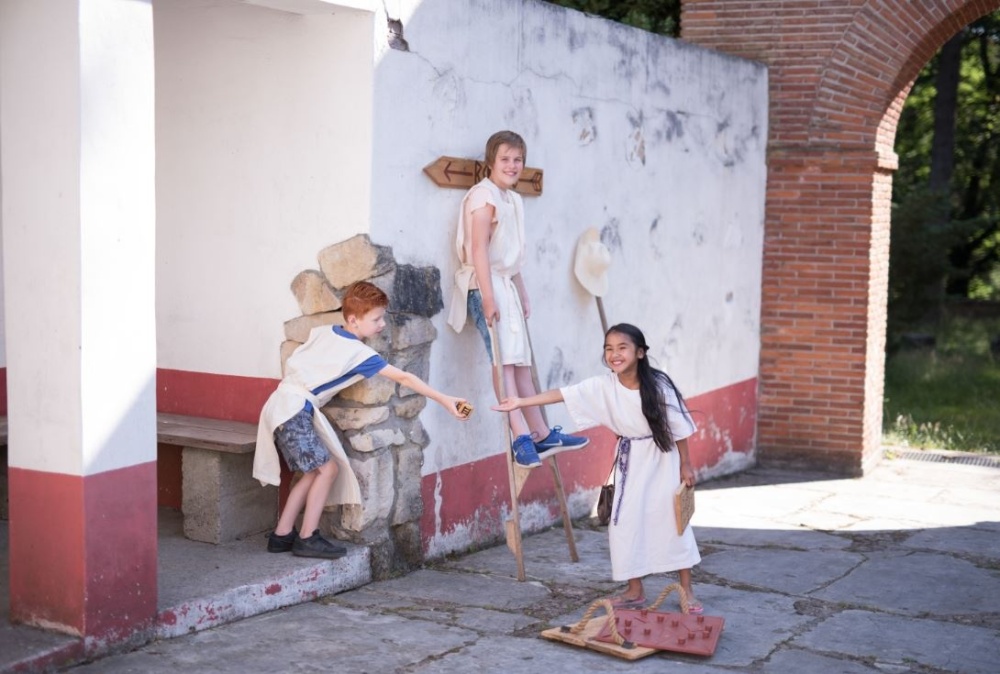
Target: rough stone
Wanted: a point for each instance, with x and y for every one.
(417, 290)
(371, 441)
(355, 259)
(410, 331)
(409, 548)
(298, 329)
(418, 435)
(375, 476)
(410, 407)
(373, 391)
(313, 293)
(409, 503)
(385, 283)
(415, 361)
(381, 342)
(287, 349)
(353, 418)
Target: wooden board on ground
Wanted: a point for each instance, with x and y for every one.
(683, 507)
(585, 639)
(679, 632)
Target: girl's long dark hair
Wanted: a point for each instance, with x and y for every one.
(652, 388)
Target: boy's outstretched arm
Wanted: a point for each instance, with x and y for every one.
(546, 398)
(412, 381)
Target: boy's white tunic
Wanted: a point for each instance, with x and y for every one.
(645, 539)
(506, 255)
(319, 369)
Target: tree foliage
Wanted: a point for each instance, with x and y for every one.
(948, 141)
(657, 16)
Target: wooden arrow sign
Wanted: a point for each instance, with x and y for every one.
(464, 173)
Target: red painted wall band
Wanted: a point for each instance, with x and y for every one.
(83, 550)
(474, 495)
(215, 396)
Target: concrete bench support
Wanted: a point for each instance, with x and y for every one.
(221, 500)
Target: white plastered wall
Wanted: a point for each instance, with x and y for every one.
(263, 130)
(659, 144)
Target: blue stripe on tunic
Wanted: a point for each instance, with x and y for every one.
(369, 368)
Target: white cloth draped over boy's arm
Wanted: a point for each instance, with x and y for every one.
(309, 370)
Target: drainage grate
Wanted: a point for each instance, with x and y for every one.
(985, 460)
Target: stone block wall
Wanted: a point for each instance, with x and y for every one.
(377, 420)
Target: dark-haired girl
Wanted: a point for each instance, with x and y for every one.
(643, 407)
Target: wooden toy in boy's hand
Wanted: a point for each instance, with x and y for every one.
(464, 408)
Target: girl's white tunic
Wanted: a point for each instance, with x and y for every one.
(645, 539)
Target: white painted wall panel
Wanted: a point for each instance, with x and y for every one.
(658, 143)
(263, 158)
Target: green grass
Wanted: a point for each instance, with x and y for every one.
(948, 398)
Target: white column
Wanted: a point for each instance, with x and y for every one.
(77, 160)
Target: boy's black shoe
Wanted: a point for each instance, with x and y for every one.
(317, 546)
(276, 543)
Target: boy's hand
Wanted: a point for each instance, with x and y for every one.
(507, 405)
(491, 311)
(459, 407)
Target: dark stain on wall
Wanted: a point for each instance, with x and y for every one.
(611, 235)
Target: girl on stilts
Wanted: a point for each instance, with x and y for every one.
(643, 407)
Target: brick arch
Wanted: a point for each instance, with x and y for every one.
(839, 73)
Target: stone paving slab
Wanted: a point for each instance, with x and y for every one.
(474, 589)
(484, 621)
(976, 540)
(804, 662)
(882, 587)
(792, 538)
(942, 514)
(901, 641)
(794, 572)
(309, 638)
(514, 656)
(546, 558)
(922, 584)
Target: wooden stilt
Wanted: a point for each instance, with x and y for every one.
(556, 475)
(517, 474)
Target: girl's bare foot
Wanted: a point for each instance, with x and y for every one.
(628, 600)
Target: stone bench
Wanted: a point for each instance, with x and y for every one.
(220, 499)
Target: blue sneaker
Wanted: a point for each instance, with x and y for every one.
(557, 441)
(525, 453)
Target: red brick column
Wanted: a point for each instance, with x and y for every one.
(839, 72)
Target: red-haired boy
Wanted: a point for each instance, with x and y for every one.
(331, 359)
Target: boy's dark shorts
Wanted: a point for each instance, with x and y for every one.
(300, 444)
